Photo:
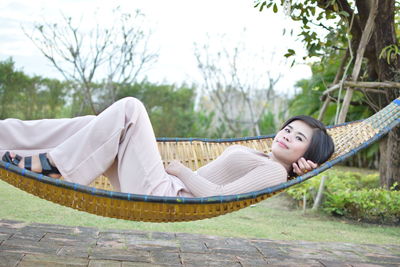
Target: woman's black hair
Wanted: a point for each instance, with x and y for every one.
(321, 146)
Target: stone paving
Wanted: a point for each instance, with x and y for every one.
(34, 244)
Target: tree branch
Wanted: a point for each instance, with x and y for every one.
(360, 54)
(363, 85)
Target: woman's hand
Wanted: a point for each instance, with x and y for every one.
(303, 166)
(174, 168)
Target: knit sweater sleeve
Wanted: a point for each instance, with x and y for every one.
(263, 176)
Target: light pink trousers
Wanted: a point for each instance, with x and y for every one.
(118, 143)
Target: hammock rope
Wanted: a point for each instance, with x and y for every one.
(98, 198)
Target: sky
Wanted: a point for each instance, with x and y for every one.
(176, 25)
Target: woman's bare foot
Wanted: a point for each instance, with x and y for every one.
(36, 164)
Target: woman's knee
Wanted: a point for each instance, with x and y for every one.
(131, 105)
(130, 101)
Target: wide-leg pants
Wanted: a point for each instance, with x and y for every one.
(119, 143)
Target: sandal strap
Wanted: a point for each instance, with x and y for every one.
(47, 168)
(28, 163)
(16, 160)
(44, 161)
(7, 157)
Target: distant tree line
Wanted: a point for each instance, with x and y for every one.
(172, 109)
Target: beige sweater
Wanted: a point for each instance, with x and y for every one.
(238, 169)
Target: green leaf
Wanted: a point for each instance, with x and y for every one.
(312, 11)
(275, 8)
(335, 7)
(344, 13)
(262, 6)
(382, 54)
(290, 53)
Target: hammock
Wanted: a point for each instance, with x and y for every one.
(98, 198)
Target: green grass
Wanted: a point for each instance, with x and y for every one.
(271, 219)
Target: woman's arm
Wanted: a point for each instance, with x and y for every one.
(263, 176)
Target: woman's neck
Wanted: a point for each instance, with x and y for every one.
(287, 166)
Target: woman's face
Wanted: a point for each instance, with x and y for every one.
(292, 142)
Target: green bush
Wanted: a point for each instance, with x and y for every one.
(371, 205)
(352, 195)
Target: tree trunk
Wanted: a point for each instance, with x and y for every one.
(384, 36)
(364, 41)
(383, 161)
(318, 199)
(393, 165)
(378, 69)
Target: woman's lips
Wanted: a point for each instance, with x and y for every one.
(281, 144)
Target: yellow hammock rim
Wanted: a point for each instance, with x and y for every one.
(99, 197)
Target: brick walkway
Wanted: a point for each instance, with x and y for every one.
(33, 244)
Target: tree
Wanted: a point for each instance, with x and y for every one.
(170, 107)
(27, 97)
(52, 97)
(378, 57)
(116, 53)
(11, 82)
(307, 101)
(239, 93)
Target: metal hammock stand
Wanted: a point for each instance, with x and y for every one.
(98, 198)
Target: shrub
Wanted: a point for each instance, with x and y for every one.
(371, 205)
(352, 195)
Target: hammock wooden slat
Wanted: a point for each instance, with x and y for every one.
(99, 198)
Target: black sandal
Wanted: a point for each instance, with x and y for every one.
(47, 168)
(14, 161)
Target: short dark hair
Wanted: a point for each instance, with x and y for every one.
(321, 146)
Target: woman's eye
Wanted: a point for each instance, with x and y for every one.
(299, 138)
(287, 130)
